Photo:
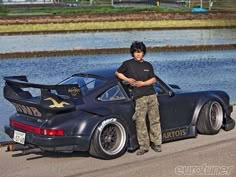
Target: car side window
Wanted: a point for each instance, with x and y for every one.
(158, 88)
(112, 94)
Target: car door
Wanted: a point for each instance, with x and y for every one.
(176, 109)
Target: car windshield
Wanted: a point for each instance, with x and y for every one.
(85, 83)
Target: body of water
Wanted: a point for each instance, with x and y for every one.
(80, 40)
(205, 70)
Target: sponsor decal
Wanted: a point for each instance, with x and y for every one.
(74, 91)
(105, 122)
(174, 133)
(146, 70)
(32, 111)
(56, 104)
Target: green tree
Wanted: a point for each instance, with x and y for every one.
(3, 9)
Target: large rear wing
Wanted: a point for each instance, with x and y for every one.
(50, 100)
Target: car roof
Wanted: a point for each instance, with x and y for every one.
(106, 73)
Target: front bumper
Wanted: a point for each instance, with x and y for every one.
(228, 122)
(230, 109)
(56, 143)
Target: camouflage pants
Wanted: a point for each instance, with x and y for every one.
(147, 105)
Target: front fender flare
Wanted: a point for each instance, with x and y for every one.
(202, 102)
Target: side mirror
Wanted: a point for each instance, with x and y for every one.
(171, 93)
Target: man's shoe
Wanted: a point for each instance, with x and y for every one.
(156, 148)
(141, 152)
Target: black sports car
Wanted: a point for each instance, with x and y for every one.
(92, 112)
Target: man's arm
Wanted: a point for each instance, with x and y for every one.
(145, 83)
(121, 76)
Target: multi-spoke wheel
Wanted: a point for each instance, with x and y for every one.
(109, 140)
(210, 118)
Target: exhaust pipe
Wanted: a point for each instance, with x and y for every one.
(5, 143)
(25, 149)
(17, 147)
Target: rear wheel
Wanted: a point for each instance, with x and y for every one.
(109, 140)
(210, 118)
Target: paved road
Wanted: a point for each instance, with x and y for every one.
(201, 156)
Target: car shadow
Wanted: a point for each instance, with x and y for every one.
(42, 154)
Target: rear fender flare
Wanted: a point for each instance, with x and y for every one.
(110, 118)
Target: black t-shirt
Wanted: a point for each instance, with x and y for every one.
(140, 71)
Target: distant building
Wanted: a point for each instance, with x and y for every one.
(134, 2)
(26, 1)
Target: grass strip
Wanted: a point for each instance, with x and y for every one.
(81, 10)
(86, 26)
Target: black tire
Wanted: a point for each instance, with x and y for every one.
(210, 118)
(109, 140)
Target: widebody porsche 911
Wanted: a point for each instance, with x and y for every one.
(92, 111)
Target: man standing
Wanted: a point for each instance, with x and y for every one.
(140, 75)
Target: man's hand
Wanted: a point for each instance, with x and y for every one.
(131, 81)
(135, 83)
(144, 83)
(121, 76)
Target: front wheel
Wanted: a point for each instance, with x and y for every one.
(210, 118)
(109, 140)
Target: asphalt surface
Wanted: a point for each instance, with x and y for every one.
(201, 156)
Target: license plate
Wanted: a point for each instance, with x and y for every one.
(19, 137)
